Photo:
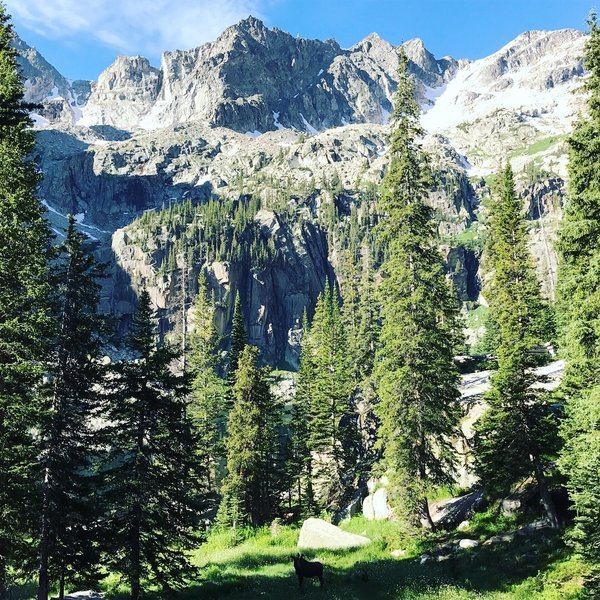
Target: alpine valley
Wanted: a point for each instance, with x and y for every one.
(257, 159)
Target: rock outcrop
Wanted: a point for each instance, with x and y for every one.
(319, 534)
(142, 137)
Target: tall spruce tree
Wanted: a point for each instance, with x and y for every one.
(250, 491)
(237, 338)
(70, 513)
(301, 457)
(579, 316)
(208, 398)
(24, 312)
(332, 423)
(152, 480)
(417, 379)
(518, 432)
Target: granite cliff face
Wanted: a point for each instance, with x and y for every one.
(300, 125)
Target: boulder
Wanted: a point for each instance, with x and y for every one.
(316, 533)
(380, 504)
(349, 511)
(466, 543)
(376, 507)
(367, 508)
(398, 553)
(87, 595)
(449, 513)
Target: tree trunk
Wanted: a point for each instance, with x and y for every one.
(43, 549)
(61, 591)
(3, 584)
(426, 514)
(549, 507)
(135, 574)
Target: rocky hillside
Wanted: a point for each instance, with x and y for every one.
(295, 131)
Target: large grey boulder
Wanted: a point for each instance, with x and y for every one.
(453, 511)
(375, 505)
(87, 595)
(316, 533)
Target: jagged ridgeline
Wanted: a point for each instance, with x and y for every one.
(305, 136)
(278, 240)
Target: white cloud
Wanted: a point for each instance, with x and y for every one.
(134, 26)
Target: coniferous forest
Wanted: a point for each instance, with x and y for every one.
(176, 468)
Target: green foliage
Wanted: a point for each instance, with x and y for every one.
(325, 387)
(24, 315)
(237, 338)
(251, 488)
(518, 431)
(579, 313)
(417, 379)
(207, 407)
(69, 536)
(152, 482)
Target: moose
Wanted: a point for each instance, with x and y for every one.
(305, 568)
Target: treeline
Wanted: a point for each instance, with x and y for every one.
(110, 467)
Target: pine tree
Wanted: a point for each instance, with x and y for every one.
(250, 491)
(69, 514)
(208, 406)
(519, 429)
(237, 338)
(24, 311)
(417, 379)
(301, 458)
(579, 316)
(152, 480)
(332, 424)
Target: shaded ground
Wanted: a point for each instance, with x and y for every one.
(534, 567)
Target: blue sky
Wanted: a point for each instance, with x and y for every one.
(82, 37)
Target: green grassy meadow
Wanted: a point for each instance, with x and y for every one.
(247, 565)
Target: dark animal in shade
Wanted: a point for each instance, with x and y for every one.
(305, 568)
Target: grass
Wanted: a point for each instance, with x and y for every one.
(470, 238)
(476, 318)
(258, 565)
(539, 146)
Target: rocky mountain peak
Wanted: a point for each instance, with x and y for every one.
(252, 26)
(130, 83)
(425, 66)
(42, 80)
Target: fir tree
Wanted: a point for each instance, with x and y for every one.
(417, 379)
(579, 316)
(70, 515)
(24, 311)
(301, 459)
(207, 407)
(237, 338)
(332, 425)
(519, 429)
(151, 478)
(250, 491)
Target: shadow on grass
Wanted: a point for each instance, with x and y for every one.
(484, 570)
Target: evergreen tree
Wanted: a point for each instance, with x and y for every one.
(151, 475)
(68, 547)
(332, 423)
(24, 312)
(301, 459)
(237, 338)
(417, 379)
(250, 491)
(207, 407)
(579, 316)
(519, 429)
